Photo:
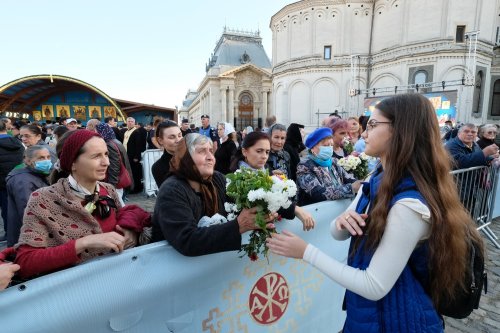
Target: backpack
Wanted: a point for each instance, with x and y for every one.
(465, 301)
(475, 280)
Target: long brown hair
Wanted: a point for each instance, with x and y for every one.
(416, 149)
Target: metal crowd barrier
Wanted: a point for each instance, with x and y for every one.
(477, 187)
(148, 158)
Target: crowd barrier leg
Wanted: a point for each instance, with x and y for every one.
(477, 188)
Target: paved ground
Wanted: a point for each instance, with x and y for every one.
(485, 319)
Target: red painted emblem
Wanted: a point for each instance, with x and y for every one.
(269, 298)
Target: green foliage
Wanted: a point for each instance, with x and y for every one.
(240, 184)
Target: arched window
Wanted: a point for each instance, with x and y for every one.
(495, 103)
(420, 77)
(245, 111)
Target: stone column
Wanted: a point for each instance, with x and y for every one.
(223, 101)
(264, 106)
(231, 106)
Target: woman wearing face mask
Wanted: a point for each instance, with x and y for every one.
(318, 178)
(227, 147)
(21, 183)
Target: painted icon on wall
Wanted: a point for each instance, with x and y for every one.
(80, 112)
(48, 111)
(95, 112)
(37, 115)
(109, 111)
(62, 111)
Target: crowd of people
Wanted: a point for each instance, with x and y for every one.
(63, 192)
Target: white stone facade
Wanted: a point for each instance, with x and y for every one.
(381, 44)
(237, 87)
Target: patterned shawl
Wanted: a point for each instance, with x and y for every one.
(55, 215)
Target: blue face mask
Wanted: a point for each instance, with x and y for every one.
(325, 153)
(43, 166)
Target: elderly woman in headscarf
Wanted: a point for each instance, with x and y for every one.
(318, 178)
(227, 148)
(117, 156)
(192, 195)
(79, 217)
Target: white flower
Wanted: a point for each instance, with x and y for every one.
(206, 221)
(231, 217)
(228, 207)
(228, 182)
(254, 195)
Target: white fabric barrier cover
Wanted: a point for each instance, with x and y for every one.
(148, 158)
(153, 288)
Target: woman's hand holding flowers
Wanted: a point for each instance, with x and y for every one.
(246, 219)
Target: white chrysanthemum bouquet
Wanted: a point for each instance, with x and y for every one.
(357, 165)
(249, 188)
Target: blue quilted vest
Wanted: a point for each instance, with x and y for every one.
(406, 308)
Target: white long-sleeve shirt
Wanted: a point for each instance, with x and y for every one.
(407, 224)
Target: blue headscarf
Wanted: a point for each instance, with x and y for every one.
(105, 131)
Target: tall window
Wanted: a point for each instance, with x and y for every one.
(495, 104)
(460, 34)
(420, 77)
(327, 53)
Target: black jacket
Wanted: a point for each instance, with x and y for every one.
(136, 144)
(177, 212)
(223, 156)
(161, 168)
(11, 154)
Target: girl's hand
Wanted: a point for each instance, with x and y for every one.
(287, 244)
(352, 222)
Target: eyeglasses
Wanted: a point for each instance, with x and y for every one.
(27, 136)
(372, 123)
(492, 132)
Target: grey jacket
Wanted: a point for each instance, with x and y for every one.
(20, 184)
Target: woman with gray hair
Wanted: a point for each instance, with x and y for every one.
(189, 211)
(279, 159)
(21, 183)
(487, 135)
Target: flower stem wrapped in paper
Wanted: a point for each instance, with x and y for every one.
(357, 165)
(250, 188)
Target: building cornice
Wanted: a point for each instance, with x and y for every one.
(303, 5)
(414, 52)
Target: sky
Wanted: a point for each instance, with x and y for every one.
(148, 51)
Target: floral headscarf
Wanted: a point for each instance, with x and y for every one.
(106, 132)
